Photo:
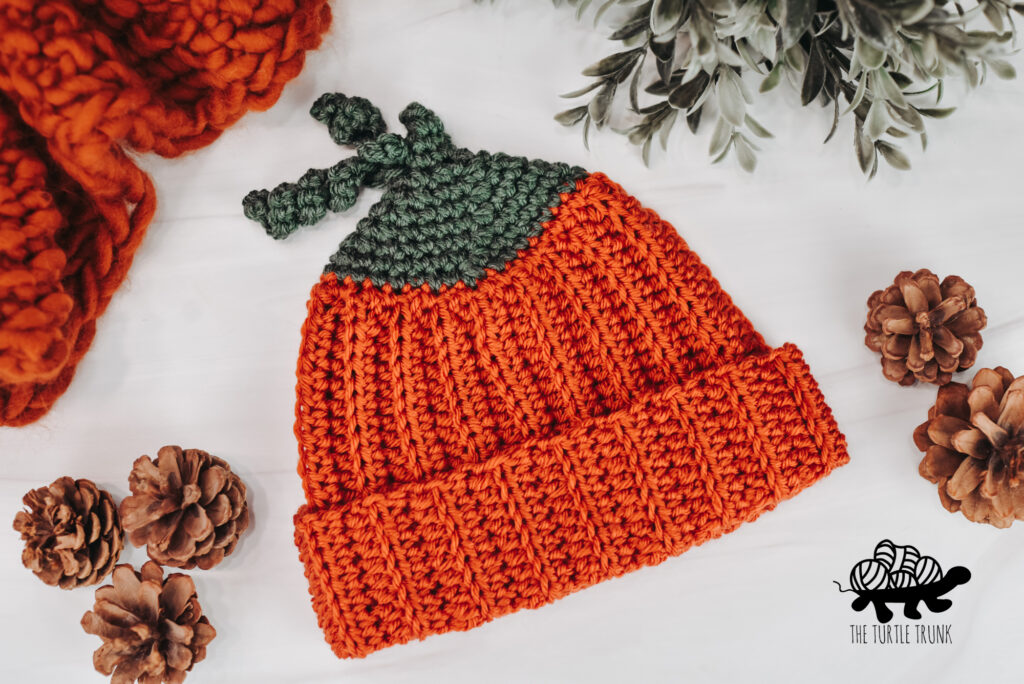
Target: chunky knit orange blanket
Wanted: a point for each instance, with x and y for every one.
(81, 82)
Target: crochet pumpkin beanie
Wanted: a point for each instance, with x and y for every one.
(516, 382)
(81, 82)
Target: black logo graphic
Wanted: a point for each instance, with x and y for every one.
(900, 574)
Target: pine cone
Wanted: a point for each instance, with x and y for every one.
(925, 330)
(974, 447)
(153, 629)
(71, 532)
(188, 508)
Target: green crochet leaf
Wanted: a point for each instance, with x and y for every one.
(446, 215)
(444, 224)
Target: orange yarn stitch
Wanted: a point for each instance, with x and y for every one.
(597, 406)
(79, 79)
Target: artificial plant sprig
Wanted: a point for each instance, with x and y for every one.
(883, 63)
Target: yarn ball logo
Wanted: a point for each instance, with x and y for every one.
(900, 574)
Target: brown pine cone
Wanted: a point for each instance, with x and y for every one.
(925, 330)
(71, 532)
(153, 629)
(187, 509)
(974, 447)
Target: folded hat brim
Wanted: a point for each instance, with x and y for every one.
(549, 516)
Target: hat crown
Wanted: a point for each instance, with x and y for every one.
(447, 214)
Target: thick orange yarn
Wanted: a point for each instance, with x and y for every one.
(80, 81)
(597, 406)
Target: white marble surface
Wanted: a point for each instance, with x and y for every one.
(199, 346)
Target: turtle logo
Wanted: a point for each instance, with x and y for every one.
(900, 574)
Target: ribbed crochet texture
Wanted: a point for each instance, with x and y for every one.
(592, 406)
(80, 82)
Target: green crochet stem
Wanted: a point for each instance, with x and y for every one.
(381, 156)
(447, 214)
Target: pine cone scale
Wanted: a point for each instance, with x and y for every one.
(913, 294)
(972, 442)
(942, 428)
(220, 510)
(939, 463)
(212, 482)
(966, 479)
(1011, 410)
(144, 509)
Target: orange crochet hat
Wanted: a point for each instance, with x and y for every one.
(516, 382)
(79, 79)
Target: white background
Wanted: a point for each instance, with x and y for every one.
(198, 348)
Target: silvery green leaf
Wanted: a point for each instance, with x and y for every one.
(748, 97)
(907, 116)
(645, 151)
(613, 63)
(901, 80)
(869, 22)
(756, 128)
(994, 16)
(864, 148)
(666, 16)
(720, 138)
(1002, 69)
(884, 84)
(750, 59)
(913, 12)
(930, 49)
(876, 121)
(814, 76)
(635, 26)
(835, 119)
(598, 107)
(971, 70)
(584, 90)
(763, 40)
(666, 128)
(637, 134)
(571, 117)
(685, 95)
(664, 55)
(659, 88)
(935, 113)
(745, 155)
(602, 9)
(705, 42)
(693, 120)
(867, 55)
(893, 155)
(724, 153)
(726, 55)
(730, 97)
(772, 79)
(796, 16)
(796, 58)
(858, 96)
(634, 85)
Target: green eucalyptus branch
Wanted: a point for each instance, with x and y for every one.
(883, 63)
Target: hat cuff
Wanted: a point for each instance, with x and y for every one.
(552, 515)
